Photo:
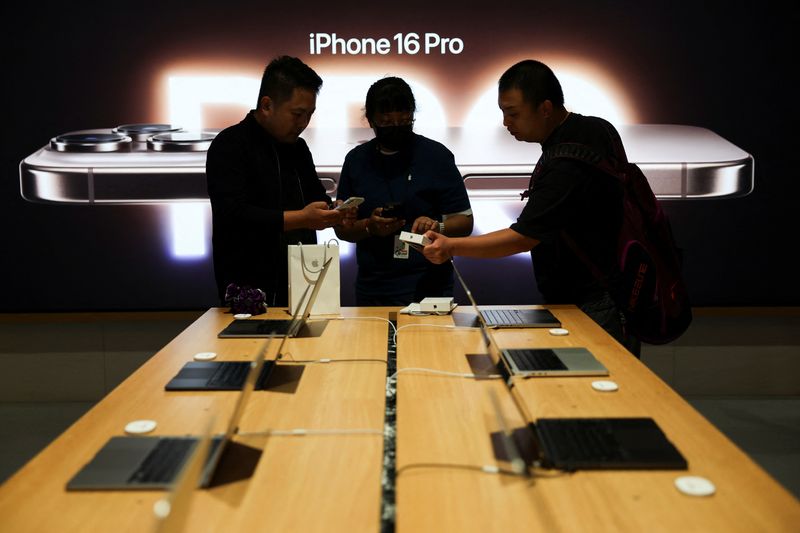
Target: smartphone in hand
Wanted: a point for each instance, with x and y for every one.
(353, 201)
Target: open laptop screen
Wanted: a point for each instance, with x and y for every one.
(494, 351)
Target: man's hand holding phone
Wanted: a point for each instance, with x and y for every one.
(392, 210)
(318, 216)
(349, 210)
(350, 203)
(380, 225)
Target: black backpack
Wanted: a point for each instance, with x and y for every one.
(650, 291)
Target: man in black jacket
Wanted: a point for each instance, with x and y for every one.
(263, 186)
(571, 205)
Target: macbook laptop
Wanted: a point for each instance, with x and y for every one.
(225, 375)
(275, 328)
(172, 510)
(606, 443)
(146, 463)
(519, 318)
(540, 361)
(591, 444)
(510, 318)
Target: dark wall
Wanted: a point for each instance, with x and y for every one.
(68, 66)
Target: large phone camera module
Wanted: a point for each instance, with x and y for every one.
(181, 141)
(142, 132)
(90, 142)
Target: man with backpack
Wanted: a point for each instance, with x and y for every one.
(574, 212)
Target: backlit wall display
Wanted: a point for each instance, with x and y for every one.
(126, 224)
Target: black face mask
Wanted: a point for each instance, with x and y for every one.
(394, 138)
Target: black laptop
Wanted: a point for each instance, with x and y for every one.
(606, 443)
(224, 375)
(146, 463)
(276, 328)
(520, 318)
(594, 444)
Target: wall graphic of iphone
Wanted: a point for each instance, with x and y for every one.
(154, 163)
(680, 162)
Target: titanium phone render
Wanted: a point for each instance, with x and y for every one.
(160, 163)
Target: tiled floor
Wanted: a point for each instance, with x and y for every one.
(26, 428)
(767, 428)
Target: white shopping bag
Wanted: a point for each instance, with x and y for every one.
(305, 264)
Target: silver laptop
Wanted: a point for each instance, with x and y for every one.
(539, 361)
(146, 463)
(276, 328)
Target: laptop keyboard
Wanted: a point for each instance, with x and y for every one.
(163, 462)
(531, 359)
(582, 439)
(501, 316)
(229, 374)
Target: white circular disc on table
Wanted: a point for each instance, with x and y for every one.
(604, 386)
(695, 486)
(162, 508)
(138, 427)
(204, 356)
(242, 316)
(559, 332)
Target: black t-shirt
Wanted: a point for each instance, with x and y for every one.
(572, 197)
(252, 179)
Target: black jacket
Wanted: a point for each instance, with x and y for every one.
(252, 179)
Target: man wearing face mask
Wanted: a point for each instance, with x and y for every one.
(409, 183)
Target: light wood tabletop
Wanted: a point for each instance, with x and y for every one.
(314, 440)
(444, 446)
(326, 479)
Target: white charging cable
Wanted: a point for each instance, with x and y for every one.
(444, 326)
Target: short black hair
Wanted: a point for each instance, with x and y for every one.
(536, 82)
(387, 95)
(283, 75)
